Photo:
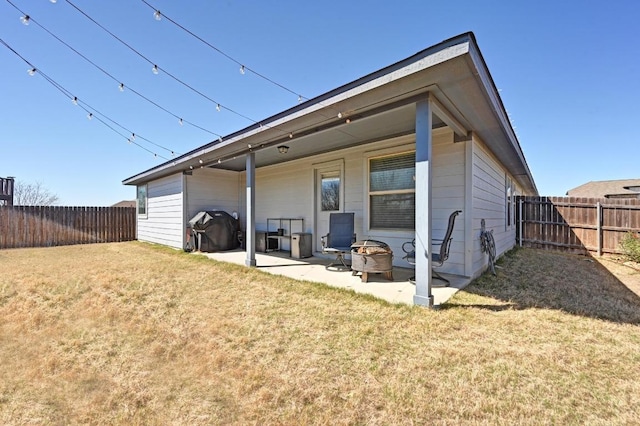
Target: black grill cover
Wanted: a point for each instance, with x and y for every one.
(215, 230)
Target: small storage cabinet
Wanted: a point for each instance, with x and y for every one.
(284, 227)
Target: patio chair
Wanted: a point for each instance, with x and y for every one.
(438, 258)
(340, 237)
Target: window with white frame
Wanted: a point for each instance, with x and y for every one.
(392, 191)
(142, 200)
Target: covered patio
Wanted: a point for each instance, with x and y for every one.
(400, 290)
(406, 145)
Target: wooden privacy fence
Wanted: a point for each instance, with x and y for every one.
(38, 226)
(574, 224)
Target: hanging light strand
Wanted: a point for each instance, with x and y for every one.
(111, 76)
(242, 66)
(87, 108)
(155, 66)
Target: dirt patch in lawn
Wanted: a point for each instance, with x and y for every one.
(627, 272)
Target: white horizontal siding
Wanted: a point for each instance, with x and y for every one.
(488, 181)
(287, 190)
(164, 221)
(209, 189)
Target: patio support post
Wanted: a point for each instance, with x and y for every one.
(250, 233)
(423, 294)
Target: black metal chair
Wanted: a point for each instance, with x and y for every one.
(438, 258)
(340, 237)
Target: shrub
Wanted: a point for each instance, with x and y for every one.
(630, 245)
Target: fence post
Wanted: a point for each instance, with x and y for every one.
(599, 227)
(520, 221)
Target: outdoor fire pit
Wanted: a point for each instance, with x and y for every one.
(371, 256)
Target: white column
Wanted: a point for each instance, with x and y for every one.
(423, 294)
(250, 233)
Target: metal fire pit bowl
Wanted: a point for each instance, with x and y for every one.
(371, 256)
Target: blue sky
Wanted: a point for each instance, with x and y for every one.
(568, 73)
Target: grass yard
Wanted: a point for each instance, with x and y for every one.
(130, 333)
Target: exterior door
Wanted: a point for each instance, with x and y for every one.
(328, 199)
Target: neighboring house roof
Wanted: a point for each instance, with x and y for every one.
(623, 188)
(382, 105)
(125, 203)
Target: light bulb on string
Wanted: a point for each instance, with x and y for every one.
(242, 69)
(121, 87)
(180, 121)
(74, 100)
(90, 116)
(31, 71)
(299, 98)
(339, 115)
(133, 136)
(290, 135)
(218, 107)
(25, 19)
(154, 69)
(157, 15)
(54, 1)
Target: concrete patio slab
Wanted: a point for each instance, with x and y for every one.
(400, 290)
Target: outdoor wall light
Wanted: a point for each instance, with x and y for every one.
(283, 149)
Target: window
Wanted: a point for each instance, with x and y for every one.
(142, 200)
(509, 201)
(392, 192)
(330, 192)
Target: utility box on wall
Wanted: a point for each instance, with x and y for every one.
(300, 245)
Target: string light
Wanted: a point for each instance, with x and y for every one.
(74, 100)
(106, 72)
(290, 135)
(154, 69)
(31, 71)
(25, 19)
(157, 15)
(299, 98)
(339, 115)
(121, 87)
(90, 114)
(133, 136)
(218, 107)
(54, 1)
(180, 121)
(229, 57)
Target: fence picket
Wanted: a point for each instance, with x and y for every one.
(571, 223)
(38, 226)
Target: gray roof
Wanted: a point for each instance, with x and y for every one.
(378, 106)
(623, 188)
